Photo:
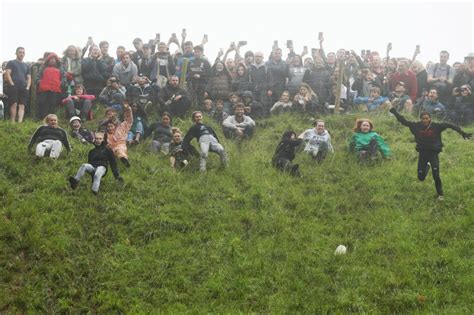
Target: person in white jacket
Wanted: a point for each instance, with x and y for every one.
(318, 141)
(238, 126)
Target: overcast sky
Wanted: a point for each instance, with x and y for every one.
(53, 25)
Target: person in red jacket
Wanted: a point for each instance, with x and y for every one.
(51, 79)
(406, 76)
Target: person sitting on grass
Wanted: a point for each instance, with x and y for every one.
(79, 103)
(98, 161)
(208, 141)
(372, 103)
(429, 145)
(318, 141)
(283, 105)
(139, 126)
(178, 157)
(400, 100)
(110, 116)
(285, 153)
(50, 139)
(162, 134)
(238, 126)
(366, 143)
(219, 114)
(117, 135)
(113, 94)
(80, 133)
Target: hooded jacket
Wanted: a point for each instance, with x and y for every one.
(51, 78)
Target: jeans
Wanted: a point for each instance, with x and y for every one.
(97, 174)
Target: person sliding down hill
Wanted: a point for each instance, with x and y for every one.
(366, 143)
(285, 153)
(97, 162)
(428, 144)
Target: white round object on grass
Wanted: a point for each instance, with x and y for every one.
(340, 250)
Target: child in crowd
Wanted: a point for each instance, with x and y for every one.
(110, 116)
(80, 133)
(98, 161)
(285, 153)
(79, 103)
(220, 114)
(374, 102)
(318, 141)
(366, 143)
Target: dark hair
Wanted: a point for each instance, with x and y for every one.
(102, 43)
(444, 52)
(121, 47)
(18, 48)
(425, 113)
(126, 54)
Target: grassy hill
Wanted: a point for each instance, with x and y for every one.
(244, 239)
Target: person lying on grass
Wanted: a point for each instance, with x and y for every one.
(178, 157)
(50, 138)
(80, 133)
(366, 143)
(428, 143)
(98, 161)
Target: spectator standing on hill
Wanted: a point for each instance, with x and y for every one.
(51, 81)
(18, 81)
(94, 72)
(429, 145)
(441, 75)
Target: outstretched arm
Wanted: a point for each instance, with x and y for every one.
(400, 118)
(458, 129)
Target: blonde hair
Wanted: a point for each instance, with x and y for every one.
(48, 117)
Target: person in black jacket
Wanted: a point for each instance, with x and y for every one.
(428, 144)
(50, 138)
(208, 141)
(98, 161)
(285, 153)
(174, 99)
(94, 72)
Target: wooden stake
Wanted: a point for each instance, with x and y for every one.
(337, 104)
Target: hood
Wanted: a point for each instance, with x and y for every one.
(51, 56)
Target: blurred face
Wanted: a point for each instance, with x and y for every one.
(230, 63)
(318, 63)
(402, 67)
(20, 54)
(208, 105)
(162, 48)
(234, 99)
(391, 65)
(341, 54)
(277, 55)
(104, 49)
(79, 90)
(248, 59)
(71, 52)
(331, 58)
(126, 60)
(138, 45)
(53, 121)
(320, 128)
(142, 80)
(165, 121)
(176, 137)
(240, 71)
(99, 138)
(303, 90)
(374, 94)
(110, 128)
(293, 136)
(258, 58)
(376, 62)
(220, 105)
(425, 120)
(52, 62)
(285, 97)
(174, 81)
(239, 111)
(76, 124)
(188, 49)
(110, 115)
(197, 53)
(95, 52)
(147, 52)
(197, 118)
(443, 58)
(120, 52)
(400, 89)
(365, 126)
(219, 67)
(465, 92)
(433, 95)
(134, 108)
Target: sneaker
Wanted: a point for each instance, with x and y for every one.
(125, 161)
(73, 182)
(440, 198)
(95, 192)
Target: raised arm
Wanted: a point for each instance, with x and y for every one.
(400, 118)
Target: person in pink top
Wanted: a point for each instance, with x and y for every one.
(79, 103)
(117, 135)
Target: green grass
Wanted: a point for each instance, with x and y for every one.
(245, 239)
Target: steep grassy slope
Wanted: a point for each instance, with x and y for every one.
(244, 239)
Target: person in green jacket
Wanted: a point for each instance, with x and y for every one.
(366, 143)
